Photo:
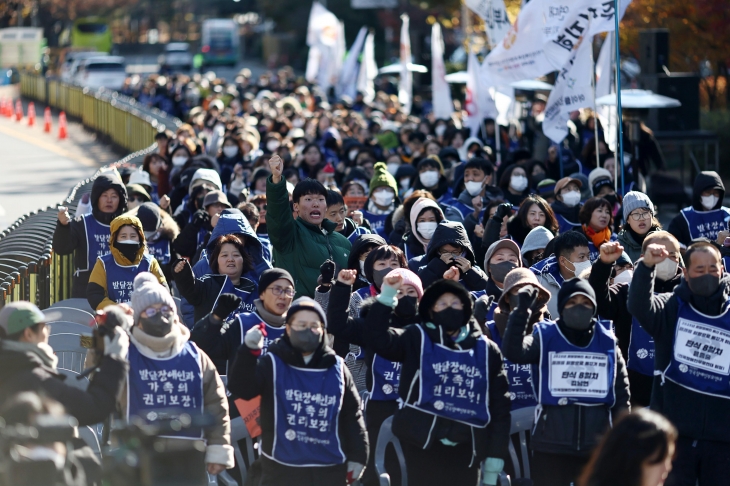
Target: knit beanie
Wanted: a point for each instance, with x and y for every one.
(498, 245)
(409, 278)
(382, 178)
(148, 292)
(576, 286)
(597, 174)
(272, 275)
(149, 215)
(306, 303)
(546, 188)
(537, 239)
(635, 200)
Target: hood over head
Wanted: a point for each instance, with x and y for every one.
(449, 232)
(232, 221)
(536, 239)
(115, 226)
(104, 182)
(420, 205)
(359, 245)
(707, 179)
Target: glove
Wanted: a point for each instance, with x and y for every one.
(226, 304)
(481, 308)
(354, 471)
(491, 469)
(200, 217)
(254, 338)
(117, 344)
(526, 298)
(504, 209)
(327, 271)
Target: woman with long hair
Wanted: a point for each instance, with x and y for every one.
(596, 219)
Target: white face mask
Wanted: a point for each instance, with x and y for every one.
(666, 270)
(272, 145)
(518, 183)
(708, 202)
(579, 267)
(352, 154)
(439, 130)
(405, 184)
(473, 187)
(230, 151)
(571, 198)
(383, 198)
(426, 229)
(179, 161)
(128, 242)
(298, 122)
(429, 178)
(393, 167)
(624, 277)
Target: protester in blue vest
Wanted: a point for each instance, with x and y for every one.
(383, 201)
(707, 216)
(691, 331)
(169, 375)
(456, 406)
(313, 433)
(478, 174)
(160, 230)
(567, 203)
(612, 293)
(337, 213)
(578, 375)
(425, 217)
(229, 262)
(220, 339)
(88, 235)
(197, 232)
(113, 275)
(502, 257)
(384, 377)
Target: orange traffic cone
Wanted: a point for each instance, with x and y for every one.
(47, 120)
(8, 108)
(18, 111)
(31, 114)
(3, 107)
(62, 129)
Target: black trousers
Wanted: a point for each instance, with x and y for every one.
(376, 412)
(441, 465)
(556, 469)
(703, 462)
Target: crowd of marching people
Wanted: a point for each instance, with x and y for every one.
(359, 270)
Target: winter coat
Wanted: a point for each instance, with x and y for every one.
(72, 238)
(705, 180)
(432, 268)
(567, 216)
(564, 429)
(696, 415)
(631, 246)
(548, 274)
(353, 260)
(97, 292)
(30, 367)
(301, 247)
(168, 230)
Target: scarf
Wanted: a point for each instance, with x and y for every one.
(598, 238)
(373, 209)
(163, 346)
(269, 318)
(636, 236)
(42, 350)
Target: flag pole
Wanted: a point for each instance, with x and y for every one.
(619, 117)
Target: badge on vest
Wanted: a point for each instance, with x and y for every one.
(702, 346)
(578, 374)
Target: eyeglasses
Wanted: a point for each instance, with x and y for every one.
(312, 326)
(637, 216)
(455, 253)
(153, 311)
(277, 291)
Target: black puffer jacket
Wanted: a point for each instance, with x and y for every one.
(420, 428)
(358, 248)
(72, 237)
(704, 180)
(696, 415)
(432, 268)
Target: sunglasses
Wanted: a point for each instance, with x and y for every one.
(153, 311)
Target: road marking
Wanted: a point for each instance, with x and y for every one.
(47, 145)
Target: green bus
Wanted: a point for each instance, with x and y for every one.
(91, 33)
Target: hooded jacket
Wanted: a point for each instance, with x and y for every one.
(549, 276)
(97, 292)
(432, 267)
(704, 180)
(697, 416)
(353, 261)
(72, 238)
(168, 230)
(421, 205)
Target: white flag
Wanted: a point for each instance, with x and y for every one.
(368, 70)
(405, 87)
(347, 84)
(325, 37)
(323, 26)
(604, 86)
(471, 103)
(494, 15)
(442, 104)
(573, 90)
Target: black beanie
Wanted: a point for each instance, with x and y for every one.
(149, 215)
(439, 288)
(271, 275)
(572, 287)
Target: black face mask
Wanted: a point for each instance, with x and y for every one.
(304, 341)
(500, 270)
(158, 325)
(449, 319)
(129, 250)
(379, 275)
(578, 317)
(407, 306)
(704, 285)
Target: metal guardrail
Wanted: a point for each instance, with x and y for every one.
(29, 268)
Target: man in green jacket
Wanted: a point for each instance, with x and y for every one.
(301, 245)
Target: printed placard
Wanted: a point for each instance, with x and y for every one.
(578, 374)
(702, 346)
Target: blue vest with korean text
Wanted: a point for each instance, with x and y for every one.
(167, 387)
(490, 313)
(247, 320)
(568, 374)
(701, 356)
(307, 404)
(641, 350)
(119, 279)
(386, 378)
(202, 232)
(97, 241)
(247, 298)
(565, 225)
(160, 249)
(454, 383)
(520, 379)
(377, 223)
(706, 224)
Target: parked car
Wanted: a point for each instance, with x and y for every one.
(101, 72)
(177, 57)
(71, 63)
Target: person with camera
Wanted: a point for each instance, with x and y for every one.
(169, 375)
(313, 433)
(27, 363)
